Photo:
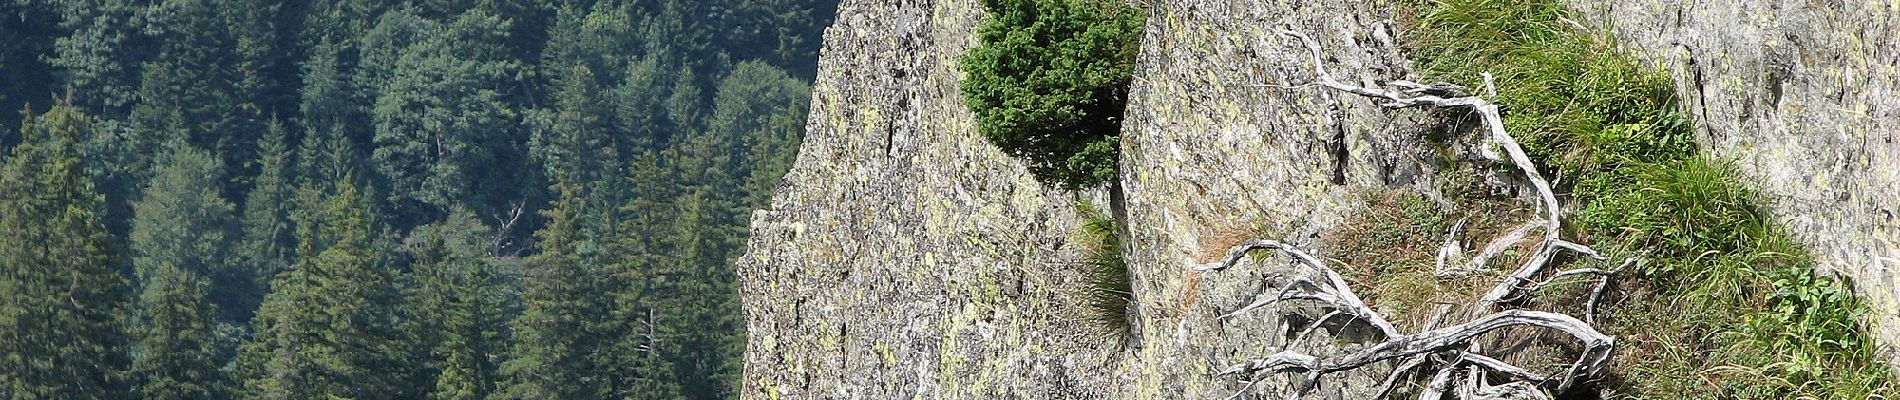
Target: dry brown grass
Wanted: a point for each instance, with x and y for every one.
(1214, 245)
(1389, 251)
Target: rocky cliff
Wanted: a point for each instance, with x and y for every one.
(1805, 97)
(903, 257)
(1210, 158)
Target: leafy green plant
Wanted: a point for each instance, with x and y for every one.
(1049, 81)
(1110, 293)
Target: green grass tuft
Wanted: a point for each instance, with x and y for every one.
(1727, 305)
(1110, 292)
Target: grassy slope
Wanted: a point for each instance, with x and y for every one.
(1727, 305)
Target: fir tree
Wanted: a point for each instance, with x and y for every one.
(331, 149)
(575, 142)
(557, 336)
(267, 244)
(588, 37)
(765, 108)
(33, 26)
(457, 305)
(176, 355)
(646, 129)
(58, 271)
(443, 124)
(646, 299)
(182, 222)
(699, 325)
(187, 92)
(105, 45)
(639, 104)
(327, 329)
(265, 67)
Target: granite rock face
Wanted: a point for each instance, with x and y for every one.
(905, 257)
(1804, 96)
(1210, 159)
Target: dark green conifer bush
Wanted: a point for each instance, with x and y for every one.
(1049, 82)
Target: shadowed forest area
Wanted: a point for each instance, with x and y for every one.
(309, 199)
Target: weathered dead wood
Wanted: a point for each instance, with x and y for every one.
(1414, 95)
(1335, 295)
(1448, 352)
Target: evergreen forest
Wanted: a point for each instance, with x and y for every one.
(369, 199)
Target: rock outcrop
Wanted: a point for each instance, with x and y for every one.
(1210, 158)
(905, 257)
(1804, 96)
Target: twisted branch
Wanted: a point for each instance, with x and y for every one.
(1338, 297)
(1449, 350)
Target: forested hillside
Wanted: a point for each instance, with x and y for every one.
(440, 199)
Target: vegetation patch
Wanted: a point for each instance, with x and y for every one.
(1390, 248)
(1726, 305)
(1110, 291)
(1049, 82)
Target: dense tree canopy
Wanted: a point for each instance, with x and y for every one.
(366, 199)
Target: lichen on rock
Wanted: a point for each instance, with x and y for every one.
(905, 257)
(1806, 99)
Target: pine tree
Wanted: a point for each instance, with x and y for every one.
(557, 341)
(327, 327)
(58, 271)
(267, 245)
(1049, 82)
(764, 108)
(176, 355)
(456, 309)
(183, 223)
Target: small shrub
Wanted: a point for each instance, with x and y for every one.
(1049, 81)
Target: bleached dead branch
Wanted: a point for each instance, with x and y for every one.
(1335, 295)
(1448, 352)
